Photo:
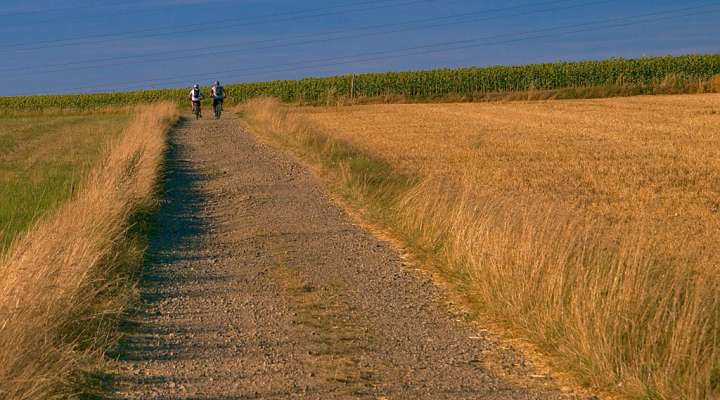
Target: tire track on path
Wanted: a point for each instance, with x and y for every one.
(258, 287)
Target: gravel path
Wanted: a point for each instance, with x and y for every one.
(260, 287)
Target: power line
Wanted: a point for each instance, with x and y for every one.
(453, 20)
(431, 48)
(97, 7)
(420, 50)
(55, 9)
(470, 44)
(215, 25)
(192, 50)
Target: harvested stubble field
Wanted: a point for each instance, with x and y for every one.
(587, 226)
(42, 159)
(650, 162)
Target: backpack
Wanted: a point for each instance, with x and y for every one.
(219, 91)
(196, 93)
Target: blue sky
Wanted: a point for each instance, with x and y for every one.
(85, 46)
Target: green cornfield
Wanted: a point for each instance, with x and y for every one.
(642, 73)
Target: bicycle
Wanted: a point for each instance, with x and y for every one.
(217, 108)
(197, 109)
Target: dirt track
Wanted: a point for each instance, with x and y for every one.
(260, 287)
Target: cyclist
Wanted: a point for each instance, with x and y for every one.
(218, 96)
(195, 97)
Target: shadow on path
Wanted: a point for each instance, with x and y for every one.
(177, 225)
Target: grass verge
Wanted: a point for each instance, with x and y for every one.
(65, 282)
(616, 316)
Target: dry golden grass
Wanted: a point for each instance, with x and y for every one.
(57, 280)
(589, 226)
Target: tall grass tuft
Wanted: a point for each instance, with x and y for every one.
(61, 282)
(618, 316)
(612, 312)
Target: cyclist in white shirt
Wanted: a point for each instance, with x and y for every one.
(195, 97)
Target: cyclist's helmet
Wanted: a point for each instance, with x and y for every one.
(217, 83)
(196, 86)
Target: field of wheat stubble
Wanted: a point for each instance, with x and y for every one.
(589, 226)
